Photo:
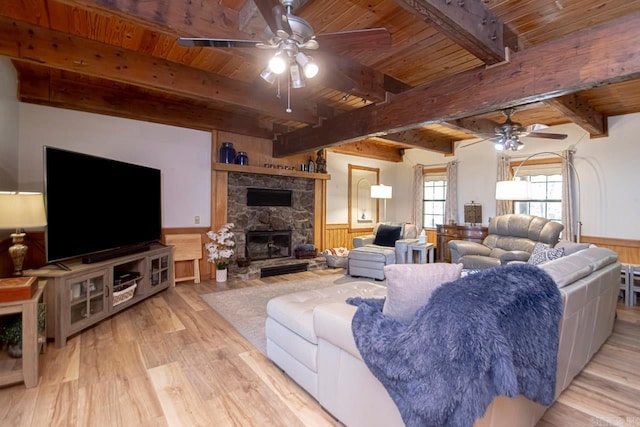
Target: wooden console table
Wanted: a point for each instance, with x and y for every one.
(448, 232)
(33, 340)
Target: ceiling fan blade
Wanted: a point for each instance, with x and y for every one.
(357, 39)
(205, 42)
(558, 136)
(276, 17)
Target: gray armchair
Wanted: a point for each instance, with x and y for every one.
(510, 238)
(368, 259)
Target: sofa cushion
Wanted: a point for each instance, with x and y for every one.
(409, 286)
(567, 270)
(387, 235)
(541, 253)
(571, 247)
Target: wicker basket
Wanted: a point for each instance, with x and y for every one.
(301, 254)
(124, 295)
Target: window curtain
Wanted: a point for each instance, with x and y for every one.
(418, 196)
(571, 230)
(503, 207)
(451, 202)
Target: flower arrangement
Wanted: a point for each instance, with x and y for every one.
(220, 247)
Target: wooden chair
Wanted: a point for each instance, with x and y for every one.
(186, 247)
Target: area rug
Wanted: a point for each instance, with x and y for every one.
(246, 308)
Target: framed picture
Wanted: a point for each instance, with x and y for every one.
(363, 210)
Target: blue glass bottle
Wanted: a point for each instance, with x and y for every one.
(242, 158)
(227, 153)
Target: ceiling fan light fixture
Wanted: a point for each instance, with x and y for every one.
(268, 75)
(308, 65)
(277, 64)
(297, 81)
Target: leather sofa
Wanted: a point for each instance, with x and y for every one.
(368, 259)
(309, 337)
(510, 237)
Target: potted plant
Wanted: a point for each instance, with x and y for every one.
(220, 249)
(11, 334)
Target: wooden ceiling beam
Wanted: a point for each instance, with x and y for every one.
(470, 24)
(415, 138)
(39, 85)
(582, 113)
(472, 125)
(370, 149)
(30, 43)
(570, 64)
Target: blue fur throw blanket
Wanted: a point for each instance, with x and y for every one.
(491, 333)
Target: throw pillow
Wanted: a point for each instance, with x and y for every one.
(541, 253)
(409, 286)
(387, 235)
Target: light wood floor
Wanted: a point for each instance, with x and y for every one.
(171, 360)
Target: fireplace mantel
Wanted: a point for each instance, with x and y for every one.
(229, 167)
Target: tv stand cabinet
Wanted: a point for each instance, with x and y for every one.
(88, 293)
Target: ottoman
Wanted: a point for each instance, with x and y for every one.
(292, 343)
(369, 261)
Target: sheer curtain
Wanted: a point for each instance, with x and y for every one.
(418, 196)
(503, 207)
(451, 201)
(571, 231)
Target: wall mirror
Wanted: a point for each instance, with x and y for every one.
(363, 210)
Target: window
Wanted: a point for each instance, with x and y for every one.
(546, 190)
(434, 196)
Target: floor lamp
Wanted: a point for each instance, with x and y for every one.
(520, 190)
(382, 192)
(20, 210)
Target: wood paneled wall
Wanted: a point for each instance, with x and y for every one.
(628, 250)
(338, 235)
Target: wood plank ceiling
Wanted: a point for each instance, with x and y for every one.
(445, 77)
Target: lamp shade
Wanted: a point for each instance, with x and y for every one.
(381, 191)
(512, 190)
(21, 210)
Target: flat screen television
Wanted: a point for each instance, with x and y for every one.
(98, 206)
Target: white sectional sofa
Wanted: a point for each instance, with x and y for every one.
(309, 337)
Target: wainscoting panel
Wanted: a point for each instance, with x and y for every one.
(628, 250)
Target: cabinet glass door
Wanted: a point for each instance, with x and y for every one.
(159, 270)
(87, 297)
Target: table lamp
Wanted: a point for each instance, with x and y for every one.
(382, 192)
(20, 210)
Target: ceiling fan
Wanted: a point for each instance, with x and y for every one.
(292, 37)
(507, 135)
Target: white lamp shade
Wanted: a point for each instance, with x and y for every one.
(381, 191)
(512, 190)
(21, 210)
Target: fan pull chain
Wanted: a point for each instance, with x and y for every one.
(278, 92)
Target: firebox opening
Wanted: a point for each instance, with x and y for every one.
(269, 244)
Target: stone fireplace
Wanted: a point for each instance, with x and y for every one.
(270, 226)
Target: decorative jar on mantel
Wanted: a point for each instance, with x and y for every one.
(227, 153)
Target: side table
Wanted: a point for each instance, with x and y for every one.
(422, 249)
(32, 338)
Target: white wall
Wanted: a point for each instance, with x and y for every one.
(338, 185)
(183, 155)
(607, 168)
(9, 121)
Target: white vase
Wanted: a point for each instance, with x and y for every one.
(221, 275)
